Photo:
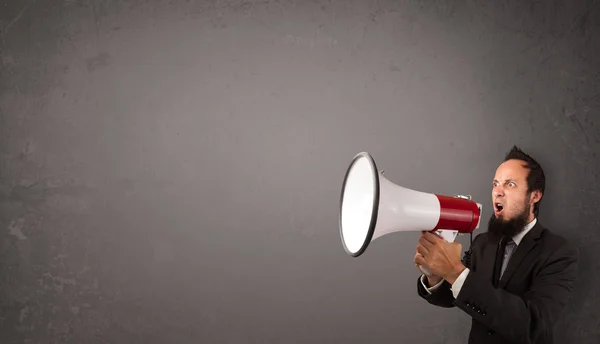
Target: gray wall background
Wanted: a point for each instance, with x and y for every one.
(170, 171)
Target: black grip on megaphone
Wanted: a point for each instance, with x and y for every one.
(467, 259)
(467, 255)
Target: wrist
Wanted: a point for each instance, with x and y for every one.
(454, 273)
(433, 280)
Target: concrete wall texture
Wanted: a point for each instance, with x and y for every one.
(170, 171)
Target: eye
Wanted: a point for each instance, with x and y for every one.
(511, 184)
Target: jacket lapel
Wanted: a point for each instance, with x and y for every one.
(490, 257)
(525, 246)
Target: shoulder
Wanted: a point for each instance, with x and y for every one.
(557, 255)
(556, 245)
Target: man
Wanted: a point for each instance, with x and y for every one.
(520, 274)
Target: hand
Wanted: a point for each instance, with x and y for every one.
(440, 257)
(431, 279)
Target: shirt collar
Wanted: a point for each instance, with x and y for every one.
(517, 238)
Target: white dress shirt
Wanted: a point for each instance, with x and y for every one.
(461, 278)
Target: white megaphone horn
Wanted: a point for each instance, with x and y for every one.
(372, 206)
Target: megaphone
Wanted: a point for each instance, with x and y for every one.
(372, 206)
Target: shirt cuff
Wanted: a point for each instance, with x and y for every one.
(459, 282)
(430, 290)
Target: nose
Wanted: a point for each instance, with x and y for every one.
(498, 191)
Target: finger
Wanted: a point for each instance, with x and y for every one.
(428, 233)
(432, 237)
(423, 241)
(415, 259)
(422, 250)
(420, 260)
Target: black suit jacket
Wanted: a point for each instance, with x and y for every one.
(525, 304)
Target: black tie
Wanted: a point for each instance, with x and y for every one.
(508, 251)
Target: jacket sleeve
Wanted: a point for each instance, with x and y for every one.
(523, 319)
(441, 296)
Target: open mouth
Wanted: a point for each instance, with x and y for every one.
(498, 207)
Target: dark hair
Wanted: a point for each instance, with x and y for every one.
(536, 180)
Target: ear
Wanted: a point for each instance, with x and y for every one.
(536, 196)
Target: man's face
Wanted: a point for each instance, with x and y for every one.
(512, 203)
(509, 192)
